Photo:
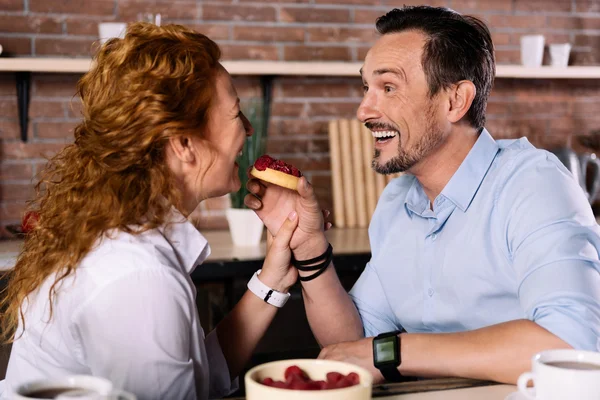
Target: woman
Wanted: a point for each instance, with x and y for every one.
(102, 285)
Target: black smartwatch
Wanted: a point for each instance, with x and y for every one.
(386, 355)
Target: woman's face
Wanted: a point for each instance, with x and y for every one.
(226, 133)
(205, 164)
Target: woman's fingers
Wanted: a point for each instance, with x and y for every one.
(284, 235)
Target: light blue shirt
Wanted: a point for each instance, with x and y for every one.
(511, 236)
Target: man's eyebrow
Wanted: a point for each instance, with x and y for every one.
(395, 71)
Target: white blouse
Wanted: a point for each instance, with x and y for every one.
(128, 314)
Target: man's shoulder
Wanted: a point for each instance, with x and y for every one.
(520, 154)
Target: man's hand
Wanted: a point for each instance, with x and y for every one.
(359, 352)
(273, 204)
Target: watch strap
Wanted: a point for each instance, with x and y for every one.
(390, 372)
(267, 294)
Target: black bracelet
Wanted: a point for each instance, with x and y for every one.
(322, 257)
(319, 272)
(317, 267)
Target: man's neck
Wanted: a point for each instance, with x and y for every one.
(436, 170)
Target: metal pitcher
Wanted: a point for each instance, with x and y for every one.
(579, 166)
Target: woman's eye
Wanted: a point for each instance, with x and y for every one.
(388, 89)
(365, 88)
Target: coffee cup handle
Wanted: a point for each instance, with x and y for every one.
(522, 384)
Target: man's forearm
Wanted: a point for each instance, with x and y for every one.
(331, 313)
(498, 352)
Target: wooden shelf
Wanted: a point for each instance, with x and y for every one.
(287, 68)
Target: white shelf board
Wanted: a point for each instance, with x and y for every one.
(290, 68)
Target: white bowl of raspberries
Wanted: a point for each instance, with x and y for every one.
(308, 379)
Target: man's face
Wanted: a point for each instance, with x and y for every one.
(406, 122)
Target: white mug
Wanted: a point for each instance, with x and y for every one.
(532, 50)
(559, 54)
(560, 375)
(109, 30)
(75, 387)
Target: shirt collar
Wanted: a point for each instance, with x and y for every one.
(191, 247)
(463, 185)
(466, 180)
(416, 200)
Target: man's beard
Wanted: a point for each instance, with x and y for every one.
(407, 158)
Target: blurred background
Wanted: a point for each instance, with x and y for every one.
(550, 112)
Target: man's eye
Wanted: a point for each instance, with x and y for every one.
(365, 88)
(388, 89)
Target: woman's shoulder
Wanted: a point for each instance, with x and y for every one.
(119, 254)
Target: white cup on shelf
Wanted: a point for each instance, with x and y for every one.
(559, 54)
(532, 50)
(109, 30)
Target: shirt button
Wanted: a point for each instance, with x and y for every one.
(433, 237)
(430, 292)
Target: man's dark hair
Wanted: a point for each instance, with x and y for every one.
(457, 47)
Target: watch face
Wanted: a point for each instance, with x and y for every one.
(385, 350)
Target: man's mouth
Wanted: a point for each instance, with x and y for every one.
(384, 136)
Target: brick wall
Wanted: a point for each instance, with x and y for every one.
(549, 112)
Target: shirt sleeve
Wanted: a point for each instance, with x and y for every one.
(221, 384)
(372, 304)
(554, 243)
(138, 333)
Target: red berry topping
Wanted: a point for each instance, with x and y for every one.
(266, 161)
(263, 162)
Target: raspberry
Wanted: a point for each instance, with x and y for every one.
(263, 162)
(294, 372)
(266, 161)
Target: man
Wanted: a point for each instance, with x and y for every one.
(483, 254)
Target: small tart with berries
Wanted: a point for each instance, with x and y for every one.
(277, 172)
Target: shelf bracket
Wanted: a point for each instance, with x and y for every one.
(23, 90)
(266, 82)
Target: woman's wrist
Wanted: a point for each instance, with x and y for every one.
(274, 282)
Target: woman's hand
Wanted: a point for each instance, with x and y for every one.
(277, 271)
(273, 203)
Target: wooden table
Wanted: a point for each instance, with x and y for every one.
(441, 389)
(496, 392)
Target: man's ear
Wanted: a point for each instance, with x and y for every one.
(460, 98)
(183, 148)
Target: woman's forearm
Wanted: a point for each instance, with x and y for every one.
(241, 330)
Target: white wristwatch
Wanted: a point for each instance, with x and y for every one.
(264, 292)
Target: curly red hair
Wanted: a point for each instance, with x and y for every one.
(154, 83)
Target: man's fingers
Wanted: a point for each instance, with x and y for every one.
(255, 187)
(305, 189)
(252, 202)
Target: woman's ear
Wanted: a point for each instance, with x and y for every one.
(183, 148)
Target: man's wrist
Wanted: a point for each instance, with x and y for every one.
(312, 248)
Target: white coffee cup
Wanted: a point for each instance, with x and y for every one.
(555, 376)
(559, 54)
(532, 50)
(109, 30)
(75, 387)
